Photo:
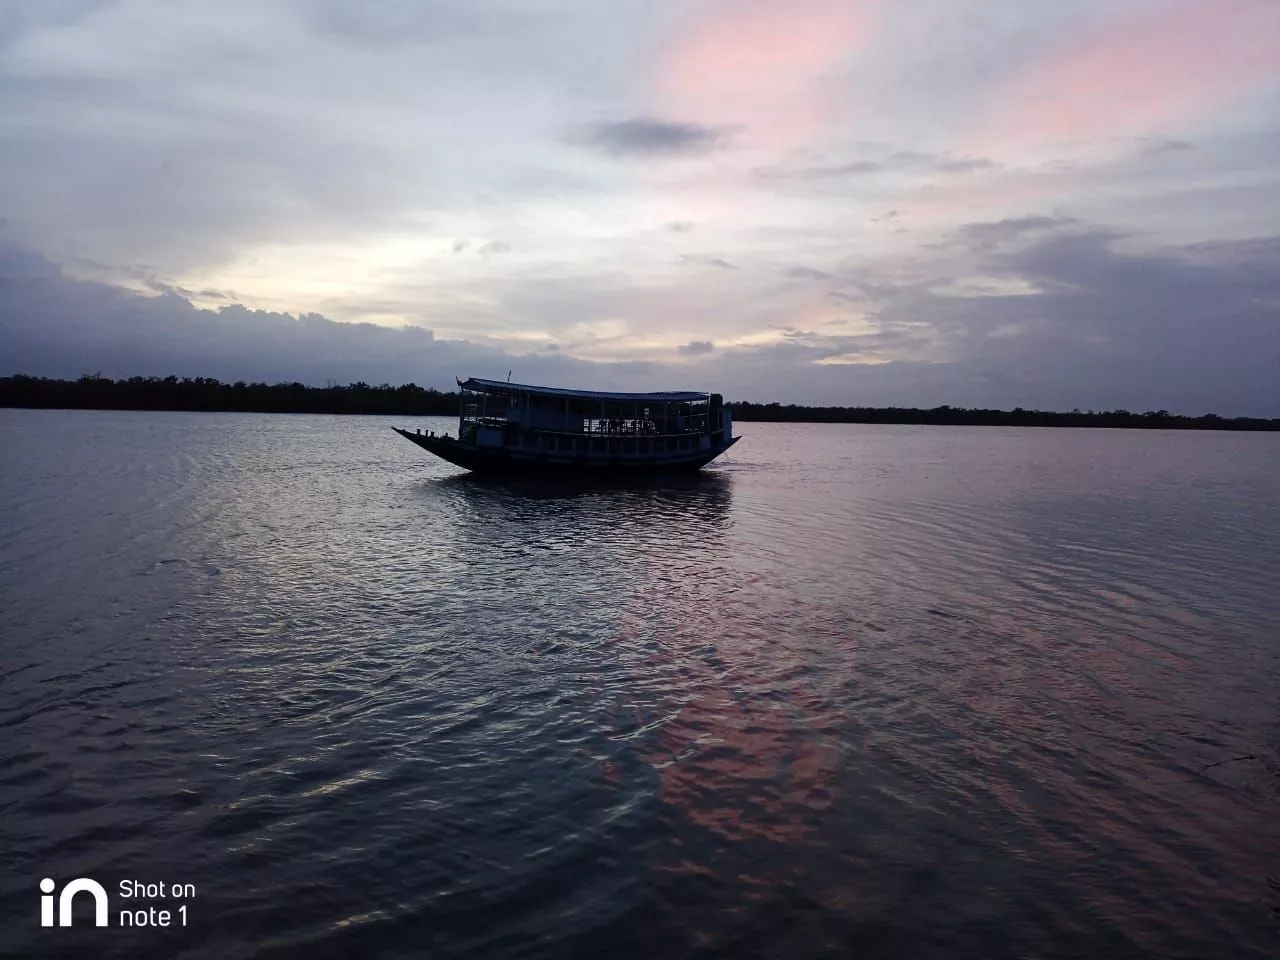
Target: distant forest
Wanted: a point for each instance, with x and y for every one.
(204, 393)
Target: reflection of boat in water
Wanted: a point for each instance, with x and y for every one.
(691, 497)
(514, 428)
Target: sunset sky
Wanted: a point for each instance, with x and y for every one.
(976, 202)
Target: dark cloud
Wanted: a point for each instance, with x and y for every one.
(1065, 320)
(1171, 329)
(805, 273)
(717, 262)
(648, 137)
(696, 348)
(158, 286)
(1159, 146)
(51, 325)
(486, 249)
(966, 165)
(903, 160)
(909, 159)
(1192, 330)
(852, 169)
(941, 163)
(983, 236)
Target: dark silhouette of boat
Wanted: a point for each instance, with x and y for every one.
(516, 428)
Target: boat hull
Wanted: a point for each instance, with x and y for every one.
(507, 460)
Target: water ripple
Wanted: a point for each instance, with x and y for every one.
(858, 690)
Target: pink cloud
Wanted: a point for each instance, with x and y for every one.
(760, 69)
(760, 65)
(1140, 75)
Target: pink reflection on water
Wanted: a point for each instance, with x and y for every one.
(744, 754)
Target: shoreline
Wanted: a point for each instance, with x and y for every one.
(206, 395)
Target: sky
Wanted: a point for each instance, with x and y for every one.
(1060, 205)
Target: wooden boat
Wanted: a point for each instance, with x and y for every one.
(516, 428)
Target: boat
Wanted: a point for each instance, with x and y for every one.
(517, 428)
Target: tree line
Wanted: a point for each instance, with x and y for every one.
(1017, 417)
(92, 392)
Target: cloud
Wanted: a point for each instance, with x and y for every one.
(1158, 66)
(486, 249)
(761, 65)
(805, 273)
(855, 168)
(1189, 329)
(328, 158)
(647, 137)
(198, 140)
(984, 236)
(932, 162)
(1181, 328)
(717, 262)
(51, 325)
(966, 165)
(1161, 145)
(902, 161)
(696, 348)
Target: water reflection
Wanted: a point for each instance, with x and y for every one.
(629, 524)
(671, 499)
(738, 727)
(715, 699)
(697, 667)
(553, 487)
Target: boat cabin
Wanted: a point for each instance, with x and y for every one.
(587, 423)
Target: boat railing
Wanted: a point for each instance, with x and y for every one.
(591, 430)
(517, 429)
(531, 438)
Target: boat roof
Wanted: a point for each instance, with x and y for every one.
(668, 396)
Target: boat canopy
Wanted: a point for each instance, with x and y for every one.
(498, 386)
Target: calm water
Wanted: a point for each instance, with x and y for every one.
(856, 691)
